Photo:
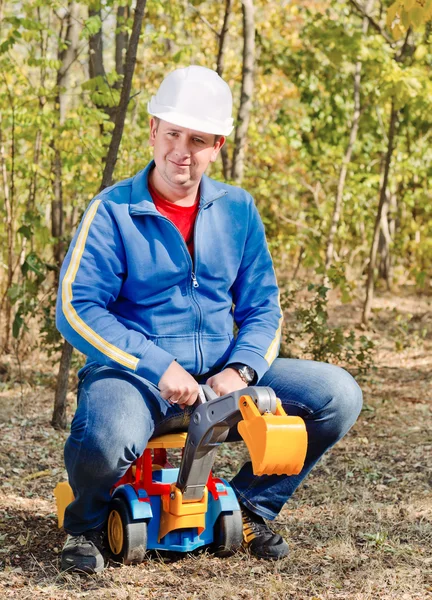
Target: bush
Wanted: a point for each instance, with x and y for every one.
(308, 334)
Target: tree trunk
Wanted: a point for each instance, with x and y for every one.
(246, 91)
(347, 157)
(96, 61)
(111, 158)
(121, 42)
(67, 55)
(387, 235)
(219, 68)
(58, 419)
(36, 157)
(9, 206)
(383, 194)
(57, 210)
(344, 170)
(384, 243)
(96, 66)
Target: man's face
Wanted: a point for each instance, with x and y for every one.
(182, 155)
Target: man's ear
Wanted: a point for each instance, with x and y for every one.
(217, 147)
(153, 131)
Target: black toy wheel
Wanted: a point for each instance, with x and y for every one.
(127, 538)
(228, 533)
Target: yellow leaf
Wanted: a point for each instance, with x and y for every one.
(408, 4)
(37, 475)
(391, 13)
(420, 52)
(405, 18)
(417, 16)
(397, 32)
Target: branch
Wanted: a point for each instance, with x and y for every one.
(222, 37)
(111, 158)
(374, 24)
(401, 55)
(204, 20)
(298, 224)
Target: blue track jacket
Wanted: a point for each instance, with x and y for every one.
(131, 298)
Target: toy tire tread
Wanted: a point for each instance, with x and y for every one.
(228, 533)
(134, 533)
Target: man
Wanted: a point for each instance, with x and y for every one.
(147, 293)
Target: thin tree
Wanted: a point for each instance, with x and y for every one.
(382, 199)
(246, 94)
(129, 68)
(59, 414)
(121, 42)
(219, 69)
(337, 210)
(384, 191)
(66, 56)
(8, 194)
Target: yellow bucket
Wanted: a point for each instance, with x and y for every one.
(64, 496)
(277, 443)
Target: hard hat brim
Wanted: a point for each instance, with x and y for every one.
(210, 126)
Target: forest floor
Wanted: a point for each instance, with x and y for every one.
(360, 528)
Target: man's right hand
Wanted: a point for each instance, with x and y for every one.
(177, 386)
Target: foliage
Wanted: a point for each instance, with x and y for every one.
(300, 125)
(403, 14)
(308, 331)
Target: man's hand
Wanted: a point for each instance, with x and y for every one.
(177, 386)
(226, 381)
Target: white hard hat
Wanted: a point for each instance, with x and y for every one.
(196, 98)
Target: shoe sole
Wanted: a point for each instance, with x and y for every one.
(86, 567)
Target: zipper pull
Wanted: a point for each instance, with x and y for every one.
(194, 280)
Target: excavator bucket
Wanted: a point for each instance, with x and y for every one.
(277, 443)
(64, 496)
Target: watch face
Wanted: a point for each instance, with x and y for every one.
(248, 373)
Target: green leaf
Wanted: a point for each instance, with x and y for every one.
(26, 231)
(33, 263)
(92, 25)
(18, 322)
(14, 292)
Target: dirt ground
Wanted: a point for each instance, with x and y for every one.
(360, 528)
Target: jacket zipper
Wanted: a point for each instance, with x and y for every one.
(194, 279)
(194, 285)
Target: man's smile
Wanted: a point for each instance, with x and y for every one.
(183, 165)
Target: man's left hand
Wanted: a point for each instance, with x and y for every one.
(226, 381)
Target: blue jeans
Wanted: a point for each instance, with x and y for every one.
(118, 412)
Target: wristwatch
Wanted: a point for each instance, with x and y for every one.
(246, 373)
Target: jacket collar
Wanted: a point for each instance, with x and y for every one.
(141, 200)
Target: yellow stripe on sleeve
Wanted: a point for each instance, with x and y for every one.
(272, 351)
(125, 359)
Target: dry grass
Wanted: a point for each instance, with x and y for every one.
(359, 529)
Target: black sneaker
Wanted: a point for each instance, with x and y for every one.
(259, 539)
(83, 553)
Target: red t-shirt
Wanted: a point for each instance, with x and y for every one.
(183, 217)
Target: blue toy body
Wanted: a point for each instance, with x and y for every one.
(148, 508)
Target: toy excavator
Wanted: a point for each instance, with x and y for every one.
(157, 507)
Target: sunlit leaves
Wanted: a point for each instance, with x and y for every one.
(92, 25)
(403, 14)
